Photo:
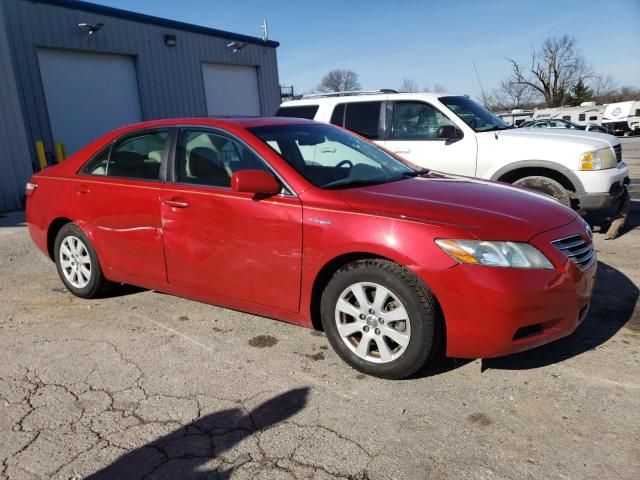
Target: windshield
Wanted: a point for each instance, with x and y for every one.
(332, 158)
(474, 114)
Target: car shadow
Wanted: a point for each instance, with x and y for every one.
(601, 221)
(183, 452)
(613, 306)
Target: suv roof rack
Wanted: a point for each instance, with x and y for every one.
(349, 92)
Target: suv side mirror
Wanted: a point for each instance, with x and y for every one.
(255, 181)
(448, 132)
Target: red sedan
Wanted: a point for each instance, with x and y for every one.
(311, 224)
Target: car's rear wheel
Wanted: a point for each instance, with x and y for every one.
(77, 263)
(548, 186)
(379, 318)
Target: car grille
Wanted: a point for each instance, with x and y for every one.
(578, 250)
(618, 150)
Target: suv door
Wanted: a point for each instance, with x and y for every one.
(224, 243)
(412, 133)
(118, 193)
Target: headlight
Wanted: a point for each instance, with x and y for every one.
(598, 159)
(495, 254)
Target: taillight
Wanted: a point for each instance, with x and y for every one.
(29, 188)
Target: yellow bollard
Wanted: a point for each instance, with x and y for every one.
(42, 158)
(60, 153)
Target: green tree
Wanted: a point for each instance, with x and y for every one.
(580, 93)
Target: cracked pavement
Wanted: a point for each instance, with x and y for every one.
(146, 385)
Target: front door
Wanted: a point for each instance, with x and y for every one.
(413, 135)
(117, 196)
(228, 243)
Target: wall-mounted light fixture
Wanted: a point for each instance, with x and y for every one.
(90, 28)
(236, 46)
(170, 40)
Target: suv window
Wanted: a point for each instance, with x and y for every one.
(300, 111)
(416, 121)
(360, 117)
(137, 156)
(207, 158)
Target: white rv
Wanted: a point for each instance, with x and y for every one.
(516, 116)
(588, 113)
(623, 117)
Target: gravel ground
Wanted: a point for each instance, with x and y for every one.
(146, 385)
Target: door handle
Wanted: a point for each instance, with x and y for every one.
(328, 150)
(403, 150)
(177, 203)
(82, 189)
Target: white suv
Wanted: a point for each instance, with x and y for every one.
(456, 135)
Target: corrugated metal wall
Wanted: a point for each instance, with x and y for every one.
(15, 156)
(169, 78)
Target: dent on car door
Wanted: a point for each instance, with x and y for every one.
(225, 243)
(117, 201)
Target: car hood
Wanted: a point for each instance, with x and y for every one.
(487, 210)
(582, 140)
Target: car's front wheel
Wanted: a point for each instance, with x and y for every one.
(77, 263)
(379, 317)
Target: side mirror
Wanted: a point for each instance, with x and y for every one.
(448, 132)
(255, 181)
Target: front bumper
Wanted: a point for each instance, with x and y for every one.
(491, 312)
(603, 188)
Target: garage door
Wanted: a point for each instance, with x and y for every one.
(231, 89)
(88, 94)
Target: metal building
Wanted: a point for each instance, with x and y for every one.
(71, 71)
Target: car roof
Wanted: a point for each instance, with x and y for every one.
(365, 97)
(243, 122)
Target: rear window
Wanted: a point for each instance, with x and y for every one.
(300, 111)
(362, 118)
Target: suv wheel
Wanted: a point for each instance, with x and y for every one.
(378, 317)
(548, 186)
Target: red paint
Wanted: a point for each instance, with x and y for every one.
(263, 253)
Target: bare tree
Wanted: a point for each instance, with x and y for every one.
(510, 95)
(555, 68)
(439, 88)
(339, 81)
(408, 85)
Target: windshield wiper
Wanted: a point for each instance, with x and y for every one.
(416, 173)
(497, 127)
(344, 183)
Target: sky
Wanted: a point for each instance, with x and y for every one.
(428, 41)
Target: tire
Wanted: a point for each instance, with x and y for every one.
(548, 186)
(398, 335)
(77, 263)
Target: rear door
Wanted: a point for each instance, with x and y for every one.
(117, 197)
(222, 242)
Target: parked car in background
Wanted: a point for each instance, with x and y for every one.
(314, 225)
(454, 134)
(560, 123)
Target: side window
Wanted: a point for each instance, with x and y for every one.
(416, 121)
(566, 117)
(363, 118)
(205, 158)
(301, 111)
(582, 117)
(594, 117)
(637, 113)
(138, 156)
(337, 117)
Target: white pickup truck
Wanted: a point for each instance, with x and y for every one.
(456, 135)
